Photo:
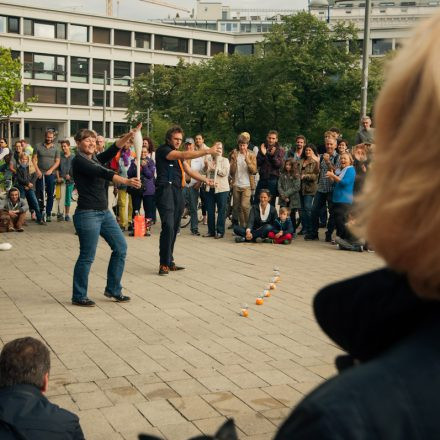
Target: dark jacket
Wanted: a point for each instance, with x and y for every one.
(23, 177)
(394, 394)
(255, 221)
(286, 227)
(25, 410)
(147, 176)
(269, 166)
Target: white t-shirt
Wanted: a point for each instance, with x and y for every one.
(4, 152)
(242, 178)
(197, 164)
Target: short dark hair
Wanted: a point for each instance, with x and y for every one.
(24, 361)
(273, 132)
(171, 131)
(150, 144)
(266, 191)
(83, 134)
(65, 141)
(300, 136)
(242, 140)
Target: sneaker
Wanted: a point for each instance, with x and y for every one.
(41, 223)
(258, 240)
(60, 217)
(164, 270)
(48, 219)
(119, 298)
(130, 227)
(268, 240)
(311, 237)
(67, 218)
(20, 230)
(287, 241)
(195, 233)
(122, 228)
(83, 302)
(240, 239)
(174, 268)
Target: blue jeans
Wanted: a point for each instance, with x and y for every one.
(306, 208)
(89, 225)
(192, 199)
(50, 189)
(220, 200)
(261, 232)
(320, 200)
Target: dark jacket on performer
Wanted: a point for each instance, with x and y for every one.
(90, 177)
(25, 413)
(255, 221)
(393, 393)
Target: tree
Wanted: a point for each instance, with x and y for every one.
(10, 87)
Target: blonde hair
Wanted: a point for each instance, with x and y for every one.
(400, 207)
(350, 157)
(284, 210)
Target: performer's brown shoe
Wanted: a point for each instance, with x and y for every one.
(174, 268)
(164, 270)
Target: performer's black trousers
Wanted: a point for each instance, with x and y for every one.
(170, 204)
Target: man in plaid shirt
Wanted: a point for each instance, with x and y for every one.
(323, 197)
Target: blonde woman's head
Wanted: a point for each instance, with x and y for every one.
(400, 209)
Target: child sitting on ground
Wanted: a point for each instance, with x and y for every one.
(282, 232)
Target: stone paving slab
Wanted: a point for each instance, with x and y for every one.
(178, 359)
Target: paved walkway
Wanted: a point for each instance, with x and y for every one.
(178, 359)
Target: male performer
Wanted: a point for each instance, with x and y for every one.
(170, 168)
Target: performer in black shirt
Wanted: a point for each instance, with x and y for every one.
(171, 168)
(92, 217)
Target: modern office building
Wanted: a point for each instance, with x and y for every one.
(65, 55)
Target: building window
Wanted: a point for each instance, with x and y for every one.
(171, 44)
(40, 66)
(142, 40)
(78, 33)
(15, 54)
(120, 99)
(13, 25)
(121, 73)
(97, 126)
(122, 38)
(120, 128)
(241, 49)
(61, 31)
(382, 46)
(245, 27)
(99, 68)
(101, 35)
(76, 126)
(217, 48)
(200, 47)
(141, 69)
(3, 24)
(28, 27)
(98, 98)
(44, 30)
(46, 95)
(79, 97)
(79, 69)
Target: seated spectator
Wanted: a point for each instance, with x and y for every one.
(26, 182)
(289, 185)
(261, 220)
(14, 211)
(282, 232)
(25, 413)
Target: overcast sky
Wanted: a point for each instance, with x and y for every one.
(138, 9)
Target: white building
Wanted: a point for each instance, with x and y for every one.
(65, 55)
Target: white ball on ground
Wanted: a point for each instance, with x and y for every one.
(5, 246)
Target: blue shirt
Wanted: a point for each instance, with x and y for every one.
(343, 191)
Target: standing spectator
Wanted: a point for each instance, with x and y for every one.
(361, 163)
(4, 164)
(125, 207)
(14, 162)
(283, 229)
(309, 174)
(343, 195)
(4, 150)
(365, 134)
(46, 159)
(343, 146)
(269, 160)
(27, 148)
(26, 180)
(25, 412)
(324, 195)
(14, 211)
(217, 169)
(296, 153)
(199, 142)
(146, 193)
(100, 144)
(191, 191)
(149, 144)
(261, 220)
(243, 167)
(64, 177)
(289, 185)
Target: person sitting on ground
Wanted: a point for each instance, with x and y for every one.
(26, 181)
(25, 413)
(14, 210)
(289, 185)
(261, 220)
(282, 232)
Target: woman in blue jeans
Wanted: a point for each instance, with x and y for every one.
(92, 217)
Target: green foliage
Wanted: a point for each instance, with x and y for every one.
(10, 85)
(302, 79)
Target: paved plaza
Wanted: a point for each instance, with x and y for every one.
(178, 359)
